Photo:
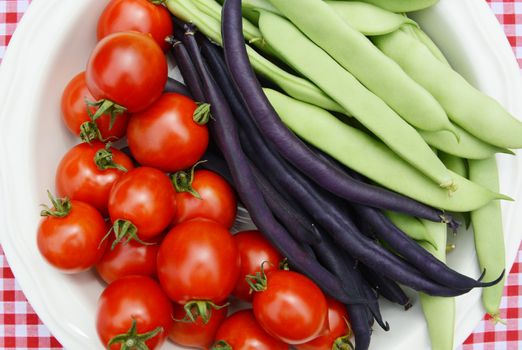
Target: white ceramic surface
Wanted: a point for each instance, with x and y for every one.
(52, 43)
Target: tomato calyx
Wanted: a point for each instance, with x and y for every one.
(258, 281)
(89, 132)
(124, 229)
(200, 308)
(61, 207)
(132, 340)
(284, 265)
(103, 107)
(343, 343)
(221, 345)
(202, 114)
(182, 180)
(104, 159)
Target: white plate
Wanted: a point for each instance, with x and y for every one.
(52, 44)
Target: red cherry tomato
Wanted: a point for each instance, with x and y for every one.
(132, 258)
(145, 197)
(198, 261)
(216, 201)
(254, 250)
(138, 300)
(242, 332)
(79, 177)
(165, 135)
(292, 308)
(136, 15)
(196, 335)
(339, 331)
(74, 111)
(72, 243)
(127, 68)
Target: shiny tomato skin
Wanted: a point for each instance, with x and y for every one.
(198, 260)
(136, 15)
(165, 135)
(292, 308)
(242, 332)
(196, 335)
(74, 111)
(73, 243)
(337, 318)
(254, 250)
(78, 177)
(133, 297)
(218, 200)
(127, 68)
(145, 196)
(132, 258)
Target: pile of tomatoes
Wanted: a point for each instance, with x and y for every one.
(155, 227)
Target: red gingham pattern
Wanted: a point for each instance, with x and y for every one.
(20, 327)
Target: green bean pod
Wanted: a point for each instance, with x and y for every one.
(371, 158)
(459, 166)
(416, 32)
(471, 109)
(439, 312)
(402, 5)
(468, 146)
(488, 233)
(365, 18)
(412, 226)
(293, 85)
(315, 64)
(372, 68)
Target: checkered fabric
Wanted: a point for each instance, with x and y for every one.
(20, 327)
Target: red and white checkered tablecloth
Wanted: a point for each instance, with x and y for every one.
(20, 327)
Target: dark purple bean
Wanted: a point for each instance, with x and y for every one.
(189, 73)
(225, 133)
(290, 146)
(172, 85)
(386, 287)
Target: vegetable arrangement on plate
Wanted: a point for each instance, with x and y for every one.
(350, 140)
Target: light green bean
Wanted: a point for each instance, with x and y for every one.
(363, 17)
(371, 158)
(459, 166)
(360, 57)
(439, 312)
(402, 5)
(315, 64)
(416, 32)
(293, 85)
(468, 146)
(474, 111)
(488, 233)
(411, 226)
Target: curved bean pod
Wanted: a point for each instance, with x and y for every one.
(402, 5)
(360, 57)
(416, 32)
(477, 113)
(488, 233)
(352, 148)
(295, 86)
(367, 108)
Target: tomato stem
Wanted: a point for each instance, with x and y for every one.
(104, 107)
(104, 159)
(132, 340)
(61, 207)
(202, 114)
(124, 229)
(221, 345)
(200, 308)
(182, 180)
(258, 282)
(343, 343)
(89, 132)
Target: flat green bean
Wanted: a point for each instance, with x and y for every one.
(416, 32)
(459, 166)
(371, 158)
(402, 5)
(315, 64)
(471, 109)
(371, 67)
(488, 233)
(439, 312)
(412, 226)
(293, 85)
(363, 17)
(468, 146)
